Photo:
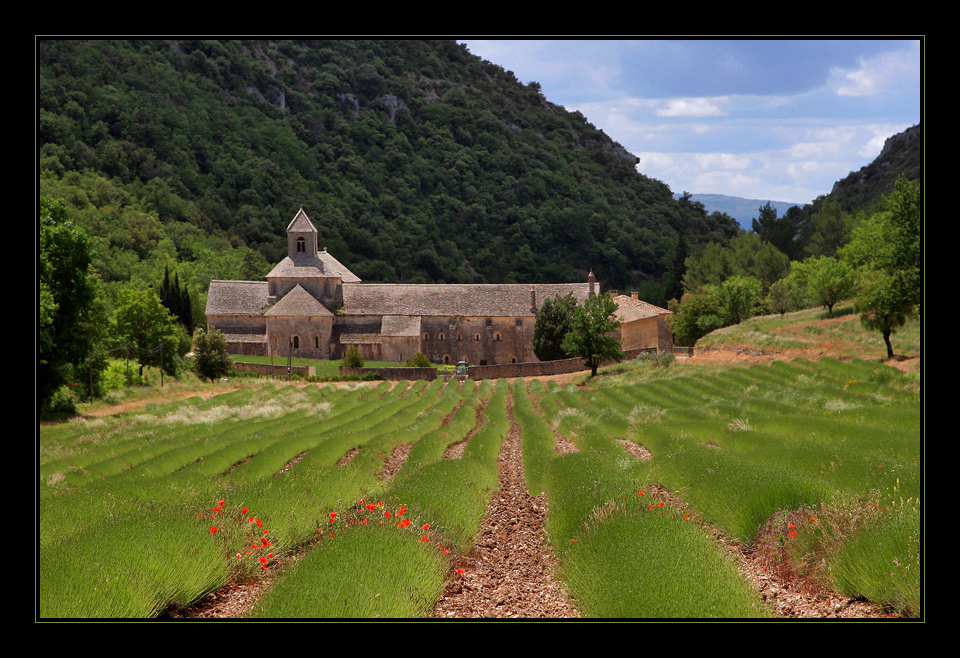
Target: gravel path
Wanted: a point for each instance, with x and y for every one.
(509, 573)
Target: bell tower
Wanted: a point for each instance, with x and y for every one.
(301, 237)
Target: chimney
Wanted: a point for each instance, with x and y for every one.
(533, 300)
(593, 283)
(635, 295)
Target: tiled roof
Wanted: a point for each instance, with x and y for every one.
(452, 299)
(400, 325)
(298, 303)
(630, 309)
(245, 338)
(303, 266)
(358, 339)
(236, 297)
(301, 224)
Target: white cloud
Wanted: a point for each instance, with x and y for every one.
(693, 107)
(877, 74)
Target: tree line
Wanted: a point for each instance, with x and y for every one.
(78, 332)
(873, 256)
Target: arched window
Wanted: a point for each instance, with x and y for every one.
(426, 336)
(496, 336)
(301, 245)
(295, 341)
(446, 359)
(476, 336)
(441, 335)
(459, 337)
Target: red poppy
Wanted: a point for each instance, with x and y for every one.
(459, 570)
(424, 538)
(245, 510)
(640, 493)
(425, 526)
(213, 530)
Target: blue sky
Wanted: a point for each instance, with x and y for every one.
(778, 120)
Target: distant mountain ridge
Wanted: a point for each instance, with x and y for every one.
(741, 209)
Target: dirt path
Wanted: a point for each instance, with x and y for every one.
(509, 573)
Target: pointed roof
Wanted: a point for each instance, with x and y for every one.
(307, 264)
(301, 223)
(298, 303)
(303, 266)
(630, 308)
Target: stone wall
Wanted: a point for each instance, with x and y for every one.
(394, 374)
(267, 369)
(544, 368)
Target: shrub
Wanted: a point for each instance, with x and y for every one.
(419, 360)
(352, 358)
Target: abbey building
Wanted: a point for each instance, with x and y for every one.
(312, 306)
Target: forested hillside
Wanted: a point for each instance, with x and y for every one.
(417, 161)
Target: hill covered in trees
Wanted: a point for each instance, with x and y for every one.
(418, 161)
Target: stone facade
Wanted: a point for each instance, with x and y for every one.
(313, 306)
(642, 325)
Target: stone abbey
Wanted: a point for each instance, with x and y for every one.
(312, 306)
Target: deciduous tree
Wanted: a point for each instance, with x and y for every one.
(211, 360)
(589, 336)
(553, 322)
(70, 308)
(830, 281)
(145, 328)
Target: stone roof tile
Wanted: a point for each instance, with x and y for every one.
(236, 297)
(454, 300)
(630, 309)
(304, 266)
(298, 303)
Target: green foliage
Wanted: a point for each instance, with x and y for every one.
(553, 323)
(830, 280)
(887, 249)
(746, 255)
(714, 306)
(419, 360)
(589, 336)
(785, 296)
(197, 153)
(832, 227)
(697, 314)
(70, 308)
(211, 360)
(352, 358)
(146, 331)
(740, 297)
(176, 299)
